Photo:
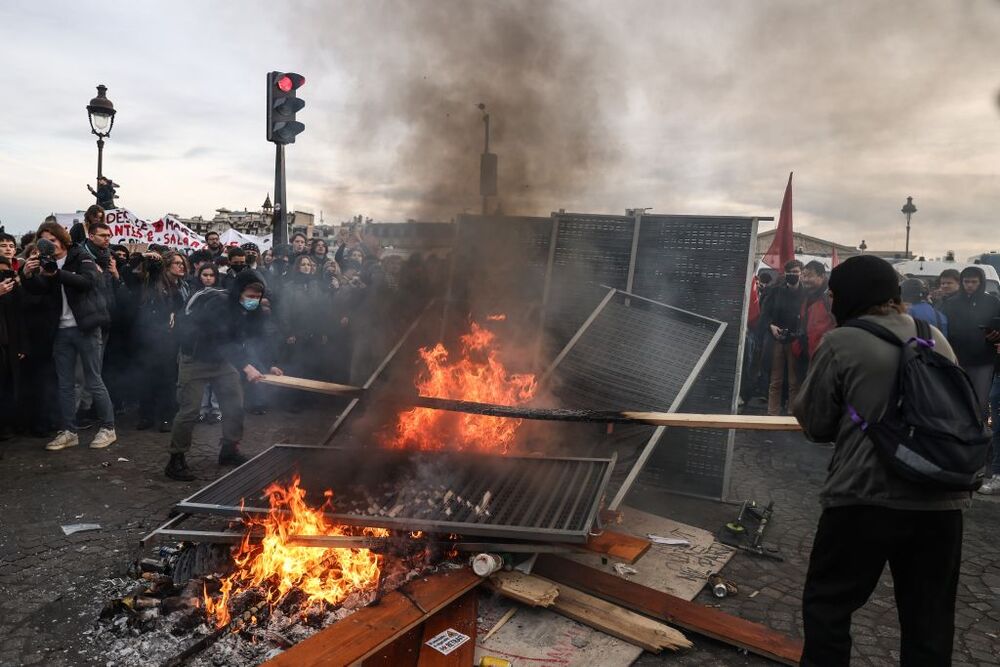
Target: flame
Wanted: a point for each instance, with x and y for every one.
(278, 568)
(476, 375)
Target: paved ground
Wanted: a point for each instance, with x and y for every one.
(51, 585)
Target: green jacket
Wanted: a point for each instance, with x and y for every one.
(854, 367)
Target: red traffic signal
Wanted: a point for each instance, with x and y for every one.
(289, 82)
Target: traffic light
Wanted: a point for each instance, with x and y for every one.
(282, 105)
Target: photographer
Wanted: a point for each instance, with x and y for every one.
(782, 315)
(65, 274)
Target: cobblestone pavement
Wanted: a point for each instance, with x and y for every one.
(52, 585)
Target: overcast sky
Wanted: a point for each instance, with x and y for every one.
(687, 107)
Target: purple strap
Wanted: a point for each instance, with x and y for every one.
(856, 418)
(922, 342)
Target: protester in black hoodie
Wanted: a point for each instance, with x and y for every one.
(973, 329)
(782, 314)
(219, 342)
(13, 346)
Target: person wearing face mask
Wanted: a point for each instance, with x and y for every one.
(237, 264)
(782, 316)
(223, 339)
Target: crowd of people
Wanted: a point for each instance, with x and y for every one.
(90, 330)
(796, 312)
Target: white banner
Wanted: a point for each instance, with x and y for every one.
(126, 228)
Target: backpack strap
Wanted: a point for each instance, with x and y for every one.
(876, 330)
(924, 337)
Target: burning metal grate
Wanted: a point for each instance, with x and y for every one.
(551, 499)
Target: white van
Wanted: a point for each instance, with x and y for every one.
(929, 271)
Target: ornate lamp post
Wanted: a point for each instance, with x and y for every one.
(102, 118)
(908, 210)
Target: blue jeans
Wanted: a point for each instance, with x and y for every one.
(70, 344)
(995, 415)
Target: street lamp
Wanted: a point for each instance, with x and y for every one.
(908, 210)
(102, 118)
(863, 246)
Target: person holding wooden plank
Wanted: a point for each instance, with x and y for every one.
(874, 509)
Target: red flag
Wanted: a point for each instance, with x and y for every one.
(834, 260)
(753, 312)
(783, 247)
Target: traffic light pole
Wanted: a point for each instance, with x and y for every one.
(279, 223)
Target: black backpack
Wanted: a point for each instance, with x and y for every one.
(933, 431)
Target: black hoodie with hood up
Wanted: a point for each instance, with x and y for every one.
(970, 316)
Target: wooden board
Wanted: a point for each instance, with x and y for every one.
(706, 621)
(403, 652)
(539, 638)
(523, 588)
(617, 621)
(747, 422)
(367, 631)
(623, 546)
(460, 615)
(678, 570)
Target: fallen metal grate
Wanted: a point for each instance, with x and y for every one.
(551, 499)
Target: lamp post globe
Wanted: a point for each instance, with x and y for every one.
(101, 113)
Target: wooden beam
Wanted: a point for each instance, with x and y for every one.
(403, 652)
(532, 591)
(619, 545)
(692, 616)
(685, 420)
(460, 615)
(614, 620)
(370, 629)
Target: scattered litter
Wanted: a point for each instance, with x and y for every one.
(122, 459)
(78, 516)
(500, 623)
(754, 594)
(106, 464)
(669, 541)
(447, 641)
(623, 570)
(71, 528)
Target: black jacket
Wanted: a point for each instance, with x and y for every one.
(783, 307)
(969, 317)
(81, 280)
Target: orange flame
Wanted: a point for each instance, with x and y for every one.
(477, 375)
(277, 567)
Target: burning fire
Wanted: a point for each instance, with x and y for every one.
(323, 575)
(476, 375)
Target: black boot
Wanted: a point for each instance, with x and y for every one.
(229, 454)
(178, 469)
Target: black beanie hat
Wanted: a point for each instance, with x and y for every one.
(859, 283)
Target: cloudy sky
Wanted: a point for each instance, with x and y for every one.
(687, 107)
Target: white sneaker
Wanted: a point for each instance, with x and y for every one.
(63, 440)
(104, 437)
(991, 486)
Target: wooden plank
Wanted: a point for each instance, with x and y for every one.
(460, 615)
(403, 652)
(532, 591)
(317, 386)
(623, 546)
(706, 621)
(367, 631)
(616, 621)
(745, 422)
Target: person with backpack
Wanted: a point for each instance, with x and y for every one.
(894, 492)
(214, 350)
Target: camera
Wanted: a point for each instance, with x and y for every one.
(47, 256)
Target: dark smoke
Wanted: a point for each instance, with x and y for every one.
(547, 75)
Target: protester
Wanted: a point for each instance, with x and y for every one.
(13, 345)
(914, 294)
(949, 284)
(38, 405)
(298, 243)
(211, 413)
(105, 193)
(781, 314)
(8, 249)
(815, 316)
(237, 263)
(304, 326)
(213, 245)
(162, 301)
(63, 273)
(318, 250)
(871, 515)
(253, 255)
(974, 329)
(218, 338)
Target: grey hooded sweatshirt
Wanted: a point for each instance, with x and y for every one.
(854, 367)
